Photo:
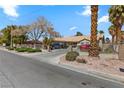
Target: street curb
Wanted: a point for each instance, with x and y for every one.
(105, 76)
(96, 74)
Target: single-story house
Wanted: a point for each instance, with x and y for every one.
(78, 40)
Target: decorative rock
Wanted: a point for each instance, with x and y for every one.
(121, 69)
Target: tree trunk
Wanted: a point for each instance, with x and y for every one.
(118, 37)
(94, 50)
(11, 42)
(118, 34)
(49, 48)
(34, 46)
(113, 39)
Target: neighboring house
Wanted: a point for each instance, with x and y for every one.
(73, 40)
(76, 40)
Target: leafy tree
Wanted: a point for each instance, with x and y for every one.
(12, 34)
(112, 31)
(19, 39)
(37, 30)
(116, 17)
(41, 29)
(47, 42)
(6, 38)
(79, 34)
(51, 33)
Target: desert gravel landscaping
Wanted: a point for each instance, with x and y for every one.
(105, 64)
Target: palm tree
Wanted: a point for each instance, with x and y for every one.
(116, 17)
(94, 51)
(112, 31)
(47, 43)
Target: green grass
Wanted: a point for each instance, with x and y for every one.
(29, 50)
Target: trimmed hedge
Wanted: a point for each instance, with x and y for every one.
(30, 50)
(71, 56)
(33, 50)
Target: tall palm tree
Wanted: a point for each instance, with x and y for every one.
(116, 17)
(112, 31)
(94, 51)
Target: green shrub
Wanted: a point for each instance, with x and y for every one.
(21, 49)
(29, 50)
(33, 50)
(71, 56)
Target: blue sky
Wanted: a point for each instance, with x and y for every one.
(66, 19)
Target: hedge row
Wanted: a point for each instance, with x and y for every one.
(30, 50)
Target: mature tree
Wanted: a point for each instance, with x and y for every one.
(79, 34)
(12, 34)
(94, 51)
(41, 29)
(47, 42)
(18, 35)
(51, 33)
(19, 30)
(1, 35)
(37, 30)
(116, 17)
(112, 31)
(6, 38)
(19, 39)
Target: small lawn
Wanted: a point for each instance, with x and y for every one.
(29, 50)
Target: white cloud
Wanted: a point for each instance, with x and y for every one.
(103, 19)
(86, 11)
(10, 10)
(73, 28)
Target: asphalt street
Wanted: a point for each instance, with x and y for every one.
(24, 72)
